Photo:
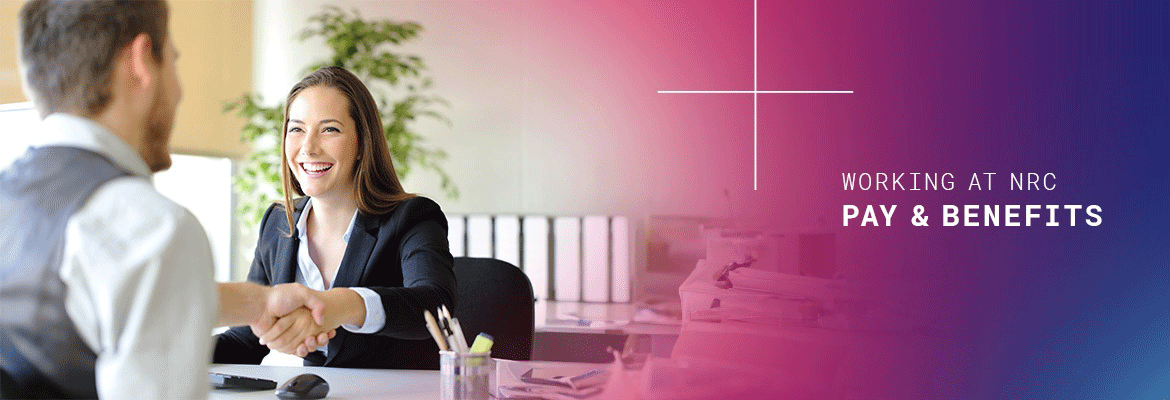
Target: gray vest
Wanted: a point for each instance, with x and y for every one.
(40, 351)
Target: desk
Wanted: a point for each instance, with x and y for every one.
(344, 383)
(578, 331)
(596, 318)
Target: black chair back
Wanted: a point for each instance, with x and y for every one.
(496, 298)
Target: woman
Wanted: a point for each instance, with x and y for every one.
(379, 254)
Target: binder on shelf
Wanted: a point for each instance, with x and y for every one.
(595, 238)
(567, 258)
(620, 265)
(456, 235)
(507, 238)
(479, 236)
(535, 261)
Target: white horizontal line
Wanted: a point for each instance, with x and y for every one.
(755, 91)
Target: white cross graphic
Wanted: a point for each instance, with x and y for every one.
(755, 93)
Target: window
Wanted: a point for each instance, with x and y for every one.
(204, 186)
(17, 122)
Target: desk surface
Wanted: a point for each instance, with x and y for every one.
(344, 383)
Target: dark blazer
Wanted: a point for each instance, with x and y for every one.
(402, 255)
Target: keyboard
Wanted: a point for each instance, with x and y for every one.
(226, 381)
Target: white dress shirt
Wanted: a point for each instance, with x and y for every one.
(138, 269)
(309, 274)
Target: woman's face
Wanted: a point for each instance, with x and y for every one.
(321, 143)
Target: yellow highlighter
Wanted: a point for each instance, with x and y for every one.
(483, 343)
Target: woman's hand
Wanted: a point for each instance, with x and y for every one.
(296, 333)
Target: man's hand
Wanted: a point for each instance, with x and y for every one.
(295, 333)
(246, 303)
(305, 309)
(280, 300)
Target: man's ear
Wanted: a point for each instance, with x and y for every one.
(141, 61)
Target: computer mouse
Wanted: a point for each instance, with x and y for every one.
(303, 386)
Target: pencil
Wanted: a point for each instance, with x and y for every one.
(434, 328)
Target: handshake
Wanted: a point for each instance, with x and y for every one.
(290, 318)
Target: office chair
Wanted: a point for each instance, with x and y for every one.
(496, 298)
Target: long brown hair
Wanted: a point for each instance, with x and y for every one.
(376, 187)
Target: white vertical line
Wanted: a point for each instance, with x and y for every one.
(755, 94)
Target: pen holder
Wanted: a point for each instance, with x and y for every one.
(464, 376)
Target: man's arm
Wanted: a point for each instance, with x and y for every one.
(246, 303)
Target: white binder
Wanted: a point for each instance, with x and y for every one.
(507, 238)
(596, 259)
(620, 266)
(535, 261)
(567, 258)
(479, 236)
(456, 235)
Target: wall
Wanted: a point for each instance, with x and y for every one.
(543, 120)
(214, 38)
(10, 91)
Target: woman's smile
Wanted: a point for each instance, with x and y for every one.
(315, 169)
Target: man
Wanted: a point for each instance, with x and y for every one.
(106, 286)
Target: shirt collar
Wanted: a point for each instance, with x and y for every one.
(303, 222)
(72, 131)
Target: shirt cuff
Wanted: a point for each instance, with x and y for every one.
(375, 314)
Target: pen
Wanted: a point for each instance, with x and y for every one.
(460, 340)
(455, 331)
(448, 331)
(441, 323)
(434, 328)
(446, 313)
